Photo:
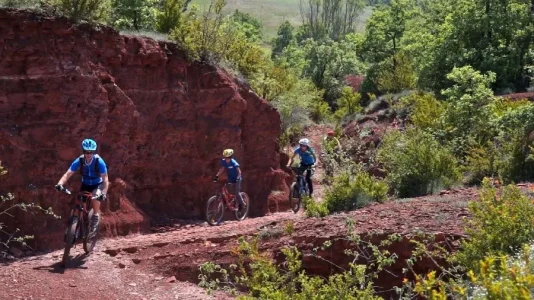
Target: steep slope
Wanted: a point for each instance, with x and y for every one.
(161, 123)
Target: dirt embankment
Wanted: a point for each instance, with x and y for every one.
(161, 122)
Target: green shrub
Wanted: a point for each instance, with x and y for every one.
(500, 224)
(354, 190)
(416, 163)
(504, 277)
(422, 109)
(89, 10)
(348, 103)
(315, 209)
(262, 278)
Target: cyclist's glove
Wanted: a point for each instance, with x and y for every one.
(216, 178)
(60, 188)
(239, 179)
(102, 197)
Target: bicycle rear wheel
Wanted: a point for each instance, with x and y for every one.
(90, 239)
(69, 240)
(295, 197)
(242, 213)
(214, 211)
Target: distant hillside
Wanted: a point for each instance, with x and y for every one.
(272, 12)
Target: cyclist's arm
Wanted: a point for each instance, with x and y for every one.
(105, 183)
(338, 143)
(65, 177)
(291, 159)
(238, 171)
(220, 171)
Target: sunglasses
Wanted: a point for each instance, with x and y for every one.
(88, 152)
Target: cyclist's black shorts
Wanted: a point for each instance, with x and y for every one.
(96, 189)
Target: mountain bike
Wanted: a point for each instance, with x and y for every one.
(79, 225)
(299, 188)
(216, 204)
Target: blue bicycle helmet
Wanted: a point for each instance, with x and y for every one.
(89, 145)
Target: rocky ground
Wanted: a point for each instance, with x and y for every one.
(164, 264)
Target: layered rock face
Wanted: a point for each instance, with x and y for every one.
(161, 123)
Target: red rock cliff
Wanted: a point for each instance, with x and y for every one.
(161, 122)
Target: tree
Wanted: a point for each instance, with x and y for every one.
(88, 10)
(489, 35)
(250, 26)
(330, 18)
(328, 62)
(171, 15)
(135, 14)
(284, 38)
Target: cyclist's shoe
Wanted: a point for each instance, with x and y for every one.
(95, 219)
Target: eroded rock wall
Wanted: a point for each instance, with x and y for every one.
(161, 123)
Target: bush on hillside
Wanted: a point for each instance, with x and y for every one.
(264, 279)
(500, 224)
(354, 190)
(422, 109)
(416, 163)
(89, 10)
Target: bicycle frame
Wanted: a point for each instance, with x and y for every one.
(227, 197)
(81, 210)
(300, 178)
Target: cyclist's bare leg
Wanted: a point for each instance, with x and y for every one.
(237, 192)
(95, 204)
(309, 181)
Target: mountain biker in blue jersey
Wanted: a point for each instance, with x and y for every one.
(233, 174)
(94, 177)
(307, 160)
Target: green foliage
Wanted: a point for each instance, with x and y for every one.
(296, 107)
(348, 103)
(500, 224)
(505, 277)
(396, 74)
(263, 279)
(88, 10)
(171, 16)
(315, 209)
(488, 35)
(416, 163)
(135, 14)
(251, 27)
(21, 3)
(354, 190)
(330, 18)
(284, 37)
(422, 109)
(328, 62)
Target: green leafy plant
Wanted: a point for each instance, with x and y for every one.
(416, 163)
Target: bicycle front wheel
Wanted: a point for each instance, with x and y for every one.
(90, 239)
(295, 197)
(70, 239)
(214, 211)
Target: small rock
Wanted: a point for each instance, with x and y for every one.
(72, 284)
(136, 261)
(158, 278)
(133, 284)
(171, 279)
(122, 266)
(16, 251)
(131, 249)
(112, 252)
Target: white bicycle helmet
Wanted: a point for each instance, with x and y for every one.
(304, 142)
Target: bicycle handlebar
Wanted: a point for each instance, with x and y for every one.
(68, 192)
